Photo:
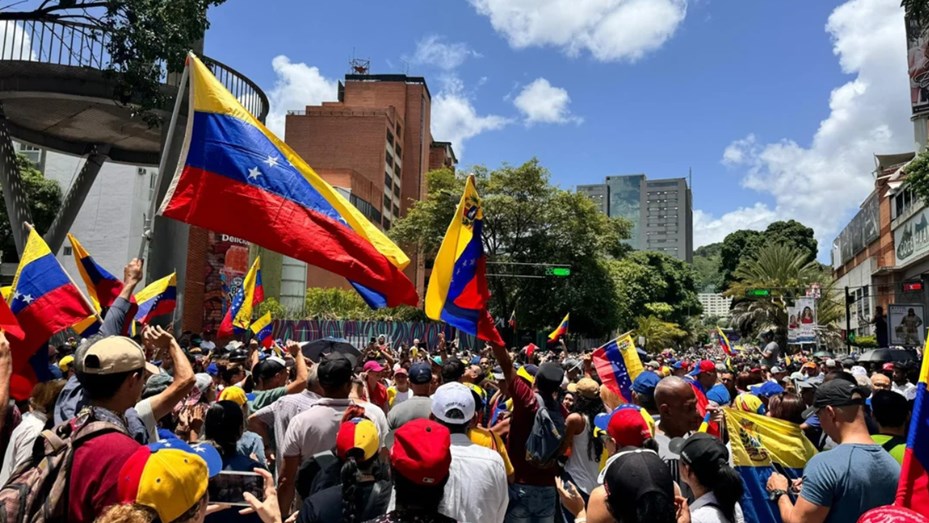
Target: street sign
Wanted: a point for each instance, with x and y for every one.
(560, 272)
(758, 293)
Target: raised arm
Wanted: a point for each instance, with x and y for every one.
(117, 314)
(299, 383)
(184, 381)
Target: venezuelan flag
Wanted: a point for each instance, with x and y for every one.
(618, 364)
(102, 287)
(239, 314)
(261, 328)
(913, 489)
(457, 292)
(561, 330)
(44, 301)
(724, 342)
(159, 298)
(761, 445)
(237, 178)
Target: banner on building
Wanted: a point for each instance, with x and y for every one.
(801, 321)
(905, 322)
(861, 231)
(226, 265)
(912, 238)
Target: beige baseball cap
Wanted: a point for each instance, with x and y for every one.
(113, 355)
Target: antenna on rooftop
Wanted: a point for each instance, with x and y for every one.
(359, 65)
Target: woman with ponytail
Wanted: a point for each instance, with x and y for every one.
(716, 486)
(364, 492)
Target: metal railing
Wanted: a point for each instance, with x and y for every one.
(81, 45)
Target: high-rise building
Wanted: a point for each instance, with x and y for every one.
(715, 305)
(375, 145)
(661, 211)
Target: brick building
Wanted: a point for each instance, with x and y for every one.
(375, 145)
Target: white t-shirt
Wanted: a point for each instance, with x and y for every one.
(19, 450)
(314, 430)
(908, 390)
(705, 509)
(144, 409)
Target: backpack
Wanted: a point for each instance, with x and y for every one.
(37, 492)
(546, 436)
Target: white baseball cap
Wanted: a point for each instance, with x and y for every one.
(453, 403)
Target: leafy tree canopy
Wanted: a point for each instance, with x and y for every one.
(706, 265)
(44, 197)
(658, 334)
(654, 284)
(745, 244)
(527, 220)
(338, 304)
(145, 39)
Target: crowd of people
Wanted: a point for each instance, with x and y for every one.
(166, 429)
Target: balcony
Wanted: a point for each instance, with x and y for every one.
(56, 92)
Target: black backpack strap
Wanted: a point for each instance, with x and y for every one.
(893, 442)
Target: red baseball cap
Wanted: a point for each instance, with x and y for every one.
(421, 452)
(887, 366)
(628, 427)
(703, 366)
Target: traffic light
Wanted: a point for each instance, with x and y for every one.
(560, 272)
(758, 293)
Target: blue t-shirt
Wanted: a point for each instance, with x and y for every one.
(720, 394)
(850, 479)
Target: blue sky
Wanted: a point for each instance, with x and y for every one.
(777, 106)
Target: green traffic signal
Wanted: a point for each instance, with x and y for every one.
(758, 292)
(559, 271)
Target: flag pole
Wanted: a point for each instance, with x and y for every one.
(70, 279)
(169, 141)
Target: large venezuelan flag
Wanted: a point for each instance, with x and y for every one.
(239, 314)
(236, 177)
(159, 298)
(44, 300)
(261, 328)
(102, 287)
(761, 445)
(457, 292)
(913, 489)
(618, 364)
(561, 330)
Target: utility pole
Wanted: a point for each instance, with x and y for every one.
(848, 320)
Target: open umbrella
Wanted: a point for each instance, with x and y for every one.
(314, 349)
(885, 355)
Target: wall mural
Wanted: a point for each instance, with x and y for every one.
(359, 332)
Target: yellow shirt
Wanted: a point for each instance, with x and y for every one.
(488, 439)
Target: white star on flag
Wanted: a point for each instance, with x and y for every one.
(27, 298)
(254, 173)
(271, 161)
(16, 296)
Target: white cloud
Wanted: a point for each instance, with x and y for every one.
(297, 86)
(541, 102)
(455, 120)
(822, 183)
(434, 51)
(708, 229)
(610, 30)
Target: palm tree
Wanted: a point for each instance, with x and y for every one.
(658, 334)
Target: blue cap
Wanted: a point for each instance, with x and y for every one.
(214, 463)
(420, 373)
(766, 389)
(602, 421)
(475, 360)
(719, 394)
(645, 383)
(212, 369)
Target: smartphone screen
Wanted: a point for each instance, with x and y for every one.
(227, 487)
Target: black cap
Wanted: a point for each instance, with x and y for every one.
(237, 355)
(420, 373)
(836, 393)
(701, 451)
(633, 473)
(335, 369)
(549, 377)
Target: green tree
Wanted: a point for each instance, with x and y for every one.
(144, 39)
(529, 221)
(707, 266)
(917, 10)
(44, 197)
(657, 284)
(346, 304)
(793, 233)
(745, 244)
(917, 175)
(736, 245)
(658, 334)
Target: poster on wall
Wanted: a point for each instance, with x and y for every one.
(906, 324)
(912, 238)
(226, 265)
(801, 321)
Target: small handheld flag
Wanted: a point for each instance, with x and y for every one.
(159, 298)
(724, 342)
(561, 330)
(102, 287)
(913, 488)
(457, 292)
(618, 364)
(512, 321)
(261, 328)
(239, 314)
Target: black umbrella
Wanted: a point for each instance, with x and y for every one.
(884, 355)
(314, 349)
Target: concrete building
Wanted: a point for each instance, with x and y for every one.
(715, 305)
(375, 145)
(661, 211)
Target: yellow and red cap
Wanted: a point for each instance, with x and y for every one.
(357, 433)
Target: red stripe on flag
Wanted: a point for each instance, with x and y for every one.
(221, 204)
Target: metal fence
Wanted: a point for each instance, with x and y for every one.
(76, 44)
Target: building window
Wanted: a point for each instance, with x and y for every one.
(396, 210)
(397, 191)
(386, 203)
(387, 180)
(67, 251)
(398, 150)
(399, 130)
(386, 224)
(390, 137)
(389, 158)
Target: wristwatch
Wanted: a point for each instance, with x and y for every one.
(775, 494)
